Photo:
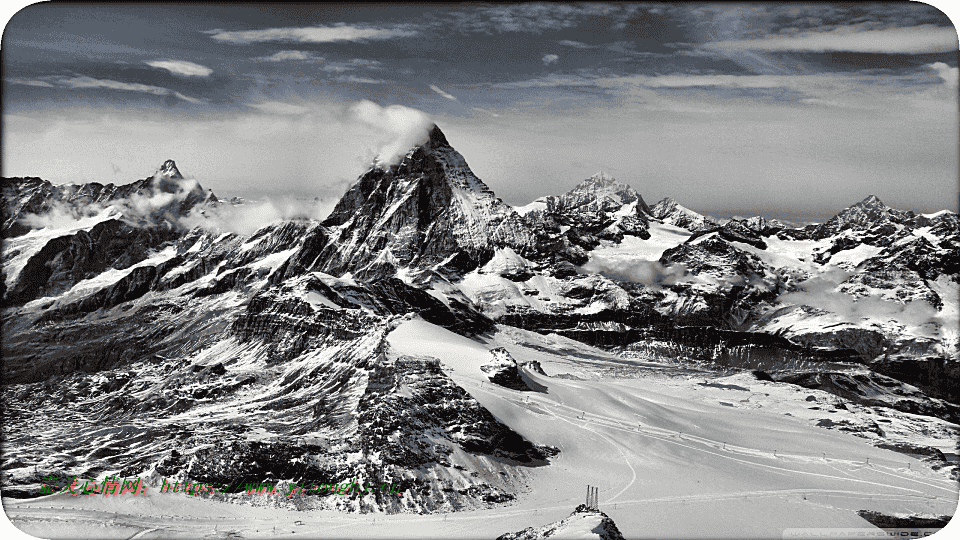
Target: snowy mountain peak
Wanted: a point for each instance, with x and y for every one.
(437, 139)
(864, 215)
(169, 170)
(602, 181)
(872, 201)
(671, 212)
(425, 210)
(601, 178)
(599, 192)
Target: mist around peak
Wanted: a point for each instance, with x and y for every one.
(400, 128)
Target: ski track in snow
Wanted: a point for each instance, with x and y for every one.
(601, 400)
(708, 441)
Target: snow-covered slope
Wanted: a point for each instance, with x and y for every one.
(484, 358)
(671, 212)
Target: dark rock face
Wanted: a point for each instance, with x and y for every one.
(936, 376)
(64, 261)
(505, 371)
(875, 390)
(867, 343)
(294, 367)
(416, 213)
(885, 521)
(718, 258)
(929, 452)
(733, 231)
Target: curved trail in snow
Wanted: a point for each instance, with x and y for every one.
(613, 423)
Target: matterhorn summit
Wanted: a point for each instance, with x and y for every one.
(169, 170)
(426, 210)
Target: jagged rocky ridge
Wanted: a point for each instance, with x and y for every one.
(166, 192)
(127, 318)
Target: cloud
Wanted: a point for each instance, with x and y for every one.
(59, 216)
(29, 82)
(486, 111)
(290, 56)
(181, 67)
(550, 59)
(856, 90)
(261, 151)
(530, 17)
(821, 292)
(249, 217)
(362, 80)
(908, 40)
(401, 128)
(185, 98)
(950, 76)
(650, 273)
(278, 107)
(315, 34)
(89, 82)
(351, 65)
(575, 44)
(150, 204)
(442, 93)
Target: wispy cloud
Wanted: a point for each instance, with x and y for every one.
(355, 79)
(351, 65)
(29, 82)
(529, 17)
(491, 113)
(315, 34)
(550, 59)
(575, 44)
(290, 56)
(442, 93)
(89, 82)
(907, 40)
(181, 67)
(278, 107)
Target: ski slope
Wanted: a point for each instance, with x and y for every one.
(670, 454)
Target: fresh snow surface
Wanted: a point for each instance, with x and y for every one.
(316, 299)
(794, 253)
(495, 292)
(505, 260)
(673, 454)
(924, 232)
(273, 260)
(949, 316)
(628, 209)
(935, 214)
(662, 484)
(31, 243)
(101, 281)
(633, 248)
(854, 256)
(537, 205)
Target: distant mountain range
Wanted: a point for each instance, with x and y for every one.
(120, 306)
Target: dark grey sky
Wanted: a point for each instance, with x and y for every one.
(783, 109)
